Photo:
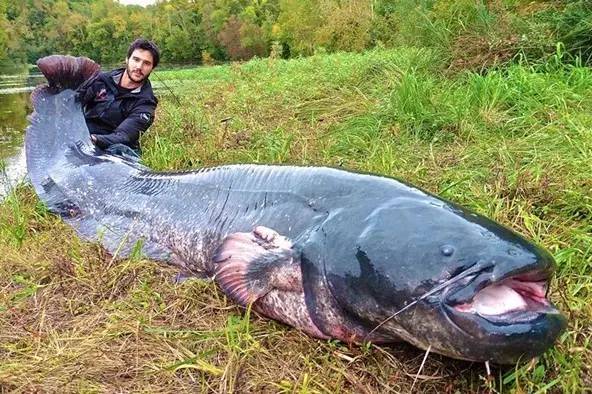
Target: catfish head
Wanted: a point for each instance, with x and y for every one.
(434, 274)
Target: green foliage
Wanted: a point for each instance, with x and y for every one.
(16, 226)
(468, 34)
(573, 28)
(242, 40)
(299, 20)
(177, 27)
(347, 25)
(3, 31)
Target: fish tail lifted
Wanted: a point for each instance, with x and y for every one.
(57, 125)
(67, 72)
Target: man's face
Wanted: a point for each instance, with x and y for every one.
(139, 65)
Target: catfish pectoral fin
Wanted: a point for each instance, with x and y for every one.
(260, 267)
(249, 265)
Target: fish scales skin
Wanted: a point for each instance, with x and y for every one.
(198, 210)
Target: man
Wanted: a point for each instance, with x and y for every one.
(119, 105)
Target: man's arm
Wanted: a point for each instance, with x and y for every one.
(87, 91)
(130, 129)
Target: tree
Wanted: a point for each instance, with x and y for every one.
(230, 38)
(298, 22)
(178, 29)
(253, 40)
(347, 26)
(16, 31)
(3, 31)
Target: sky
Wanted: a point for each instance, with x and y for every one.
(138, 2)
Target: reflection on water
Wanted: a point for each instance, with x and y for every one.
(14, 108)
(13, 171)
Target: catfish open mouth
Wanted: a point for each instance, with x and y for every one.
(504, 317)
(515, 298)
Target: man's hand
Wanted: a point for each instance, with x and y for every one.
(99, 141)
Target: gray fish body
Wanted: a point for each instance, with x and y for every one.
(337, 254)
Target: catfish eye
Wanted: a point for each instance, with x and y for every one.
(447, 250)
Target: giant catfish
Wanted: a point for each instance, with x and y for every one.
(334, 253)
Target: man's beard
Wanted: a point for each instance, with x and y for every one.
(130, 76)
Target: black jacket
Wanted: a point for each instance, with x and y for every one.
(116, 115)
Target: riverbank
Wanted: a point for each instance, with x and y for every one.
(513, 144)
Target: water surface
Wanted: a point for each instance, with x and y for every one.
(15, 90)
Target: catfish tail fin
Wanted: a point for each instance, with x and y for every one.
(67, 72)
(57, 123)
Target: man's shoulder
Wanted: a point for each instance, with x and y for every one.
(147, 92)
(114, 72)
(106, 78)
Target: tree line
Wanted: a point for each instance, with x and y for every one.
(206, 31)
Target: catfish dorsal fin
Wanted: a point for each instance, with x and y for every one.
(67, 72)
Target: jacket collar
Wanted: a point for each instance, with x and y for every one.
(117, 78)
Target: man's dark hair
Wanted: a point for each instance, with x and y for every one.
(142, 43)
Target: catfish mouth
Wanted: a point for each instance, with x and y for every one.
(513, 299)
(503, 320)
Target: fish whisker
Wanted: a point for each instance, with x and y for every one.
(470, 271)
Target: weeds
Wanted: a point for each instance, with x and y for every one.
(16, 226)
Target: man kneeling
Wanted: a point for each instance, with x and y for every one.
(119, 105)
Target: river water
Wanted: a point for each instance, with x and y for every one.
(15, 89)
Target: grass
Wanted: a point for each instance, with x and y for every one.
(513, 143)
